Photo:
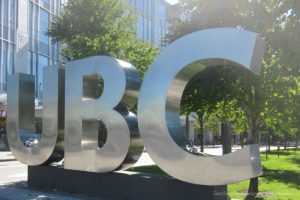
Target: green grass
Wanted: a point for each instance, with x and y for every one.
(281, 179)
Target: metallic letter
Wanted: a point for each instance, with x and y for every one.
(159, 104)
(21, 121)
(88, 110)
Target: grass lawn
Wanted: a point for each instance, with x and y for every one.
(281, 179)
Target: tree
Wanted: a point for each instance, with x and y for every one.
(100, 27)
(217, 89)
(278, 23)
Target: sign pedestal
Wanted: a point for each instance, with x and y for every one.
(119, 185)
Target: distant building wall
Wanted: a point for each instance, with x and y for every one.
(24, 47)
(153, 20)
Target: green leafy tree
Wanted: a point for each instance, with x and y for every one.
(277, 22)
(216, 89)
(101, 27)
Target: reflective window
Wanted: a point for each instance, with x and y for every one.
(140, 5)
(30, 18)
(34, 65)
(0, 53)
(44, 23)
(11, 59)
(152, 19)
(41, 52)
(35, 20)
(45, 4)
(5, 19)
(140, 29)
(5, 13)
(4, 62)
(163, 19)
(162, 11)
(29, 63)
(43, 62)
(0, 26)
(144, 24)
(12, 12)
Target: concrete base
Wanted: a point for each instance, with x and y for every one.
(118, 185)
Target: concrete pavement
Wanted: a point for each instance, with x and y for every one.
(212, 150)
(13, 183)
(19, 192)
(13, 177)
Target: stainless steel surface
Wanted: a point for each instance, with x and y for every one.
(159, 104)
(88, 106)
(21, 109)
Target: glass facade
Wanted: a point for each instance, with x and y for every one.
(152, 18)
(163, 21)
(39, 50)
(143, 10)
(7, 39)
(42, 52)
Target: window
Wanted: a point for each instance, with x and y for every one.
(44, 23)
(162, 13)
(0, 26)
(34, 65)
(140, 29)
(45, 4)
(43, 62)
(0, 54)
(44, 39)
(11, 59)
(4, 62)
(140, 5)
(148, 8)
(30, 19)
(5, 13)
(5, 19)
(12, 13)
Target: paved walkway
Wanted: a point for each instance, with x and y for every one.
(13, 177)
(14, 192)
(212, 150)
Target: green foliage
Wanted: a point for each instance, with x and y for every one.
(269, 101)
(100, 27)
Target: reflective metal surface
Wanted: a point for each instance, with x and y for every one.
(88, 106)
(159, 104)
(21, 109)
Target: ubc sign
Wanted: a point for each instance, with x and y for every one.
(74, 109)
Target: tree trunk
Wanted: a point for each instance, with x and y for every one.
(187, 128)
(297, 141)
(269, 139)
(285, 140)
(226, 133)
(253, 186)
(226, 137)
(201, 132)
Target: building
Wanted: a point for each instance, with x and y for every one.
(24, 47)
(153, 19)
